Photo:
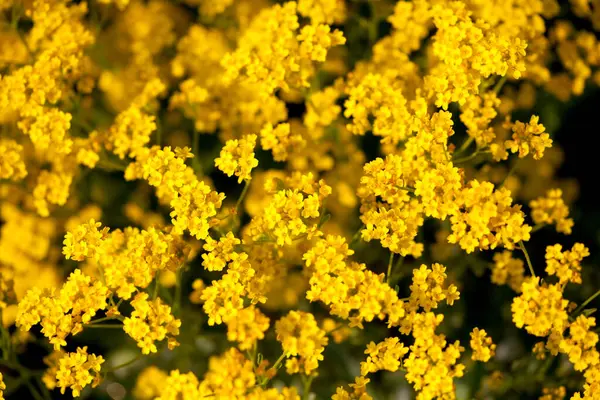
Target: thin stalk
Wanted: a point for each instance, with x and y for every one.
(538, 227)
(33, 391)
(465, 145)
(275, 368)
(389, 268)
(306, 389)
(499, 85)
(241, 199)
(195, 143)
(585, 303)
(356, 236)
(467, 158)
(125, 364)
(43, 388)
(177, 299)
(102, 326)
(510, 172)
(524, 250)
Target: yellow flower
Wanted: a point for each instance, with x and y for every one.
(302, 341)
(482, 346)
(2, 386)
(427, 289)
(237, 158)
(229, 375)
(528, 138)
(551, 209)
(280, 141)
(149, 383)
(12, 164)
(566, 265)
(508, 270)
(247, 327)
(540, 308)
(580, 345)
(77, 370)
(386, 355)
(150, 322)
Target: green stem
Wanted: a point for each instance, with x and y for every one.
(33, 391)
(389, 268)
(306, 389)
(177, 299)
(467, 158)
(356, 236)
(195, 143)
(43, 388)
(499, 85)
(241, 199)
(102, 326)
(510, 172)
(537, 228)
(110, 165)
(465, 145)
(524, 250)
(125, 364)
(279, 361)
(585, 303)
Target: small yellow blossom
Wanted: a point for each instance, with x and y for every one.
(508, 270)
(580, 345)
(150, 322)
(540, 308)
(558, 393)
(427, 288)
(386, 355)
(247, 327)
(528, 138)
(2, 386)
(77, 370)
(551, 209)
(302, 340)
(482, 346)
(566, 265)
(237, 158)
(12, 163)
(149, 383)
(280, 140)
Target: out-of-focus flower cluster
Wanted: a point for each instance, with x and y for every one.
(269, 200)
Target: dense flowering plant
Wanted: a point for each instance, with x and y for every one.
(256, 199)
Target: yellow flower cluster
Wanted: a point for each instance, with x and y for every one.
(431, 364)
(280, 54)
(540, 308)
(566, 265)
(348, 288)
(237, 158)
(396, 143)
(2, 386)
(529, 138)
(280, 140)
(482, 345)
(77, 370)
(12, 164)
(551, 209)
(150, 322)
(427, 288)
(508, 270)
(127, 260)
(386, 355)
(302, 341)
(193, 202)
(487, 219)
(63, 312)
